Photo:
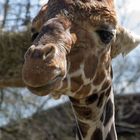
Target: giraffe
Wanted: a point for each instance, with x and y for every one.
(74, 42)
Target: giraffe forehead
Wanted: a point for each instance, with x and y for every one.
(95, 12)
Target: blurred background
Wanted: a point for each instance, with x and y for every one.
(24, 116)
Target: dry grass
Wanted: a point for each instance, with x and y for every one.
(12, 48)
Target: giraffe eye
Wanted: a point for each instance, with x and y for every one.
(34, 36)
(105, 36)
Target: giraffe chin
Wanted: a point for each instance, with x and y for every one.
(47, 88)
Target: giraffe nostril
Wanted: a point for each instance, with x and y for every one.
(37, 53)
(29, 52)
(48, 50)
(40, 52)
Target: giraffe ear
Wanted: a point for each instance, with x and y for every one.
(125, 42)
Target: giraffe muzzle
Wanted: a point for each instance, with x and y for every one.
(43, 69)
(46, 89)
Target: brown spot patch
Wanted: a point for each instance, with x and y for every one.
(109, 112)
(97, 135)
(76, 82)
(83, 112)
(77, 79)
(111, 135)
(75, 57)
(101, 100)
(84, 128)
(90, 66)
(91, 99)
(83, 91)
(100, 75)
(74, 101)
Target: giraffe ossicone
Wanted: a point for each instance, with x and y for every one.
(73, 45)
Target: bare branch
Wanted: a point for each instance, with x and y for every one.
(6, 8)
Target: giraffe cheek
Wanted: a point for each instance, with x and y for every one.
(90, 66)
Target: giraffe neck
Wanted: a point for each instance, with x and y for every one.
(88, 83)
(95, 116)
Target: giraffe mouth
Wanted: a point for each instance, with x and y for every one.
(47, 88)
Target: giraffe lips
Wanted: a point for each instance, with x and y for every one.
(47, 88)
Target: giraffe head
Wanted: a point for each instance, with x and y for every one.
(73, 39)
(45, 61)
